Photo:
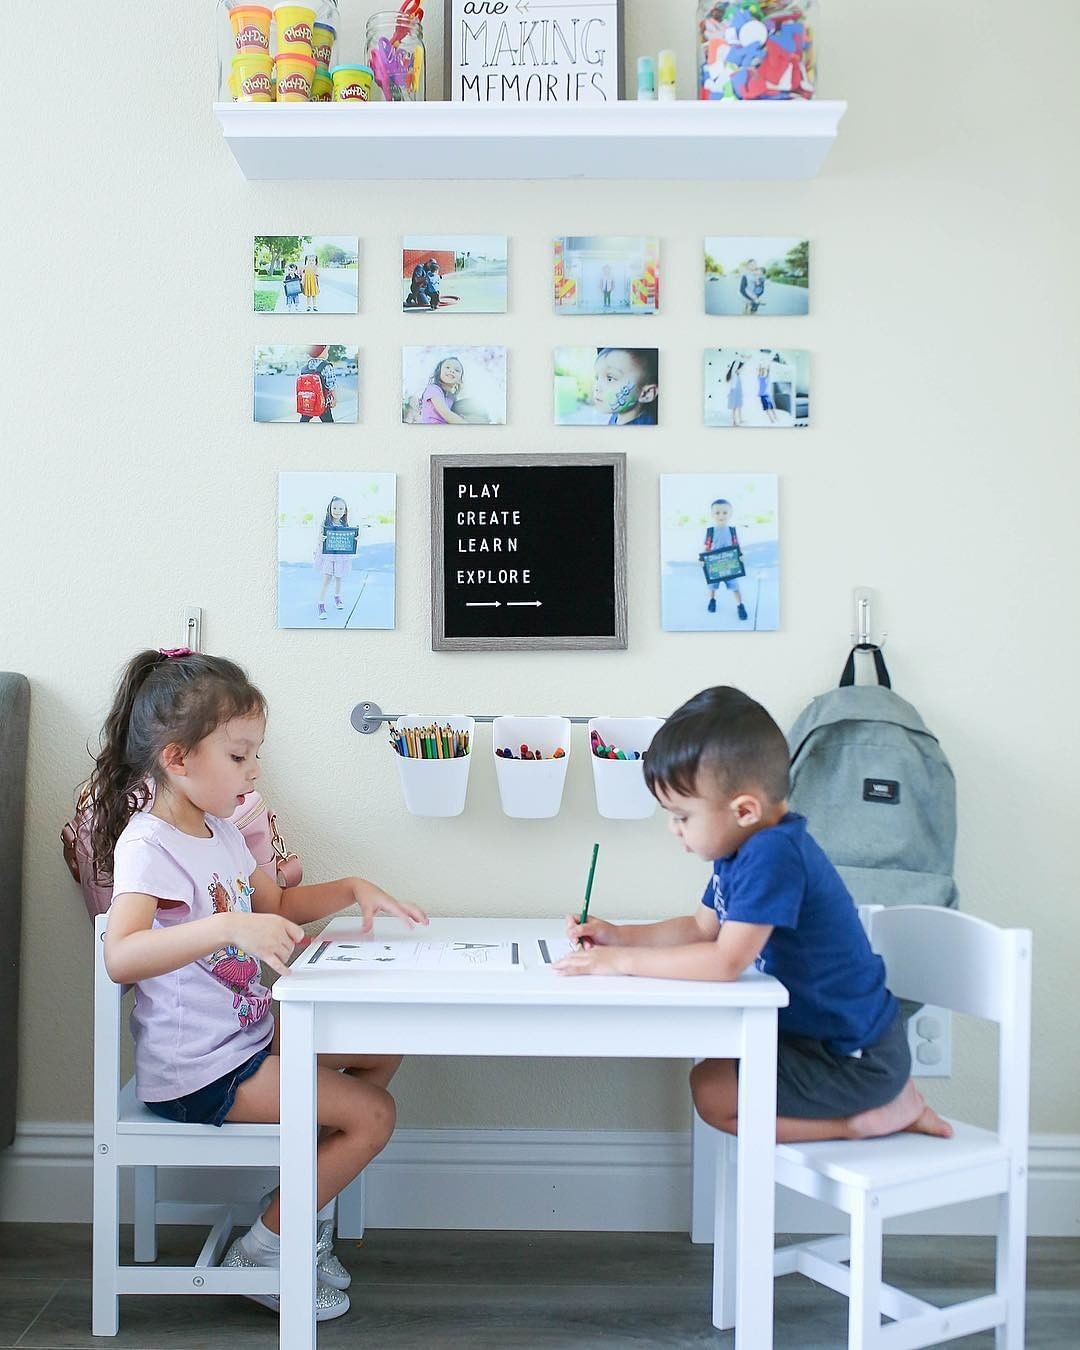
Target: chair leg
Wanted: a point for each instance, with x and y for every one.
(704, 1147)
(725, 1245)
(864, 1298)
(351, 1206)
(1011, 1282)
(105, 1304)
(145, 1213)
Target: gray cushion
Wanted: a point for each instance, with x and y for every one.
(14, 723)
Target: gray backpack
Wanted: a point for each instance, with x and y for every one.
(877, 792)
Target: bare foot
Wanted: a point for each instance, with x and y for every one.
(908, 1111)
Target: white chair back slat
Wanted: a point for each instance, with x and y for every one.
(952, 960)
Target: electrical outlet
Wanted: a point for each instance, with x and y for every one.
(930, 1038)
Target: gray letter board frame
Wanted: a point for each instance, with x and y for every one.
(616, 641)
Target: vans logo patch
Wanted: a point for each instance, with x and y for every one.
(881, 790)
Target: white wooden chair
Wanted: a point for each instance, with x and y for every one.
(953, 961)
(128, 1135)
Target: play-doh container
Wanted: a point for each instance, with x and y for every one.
(295, 75)
(251, 28)
(352, 84)
(323, 38)
(322, 86)
(295, 25)
(251, 78)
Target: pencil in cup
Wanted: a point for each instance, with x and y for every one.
(430, 741)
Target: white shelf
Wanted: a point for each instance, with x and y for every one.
(689, 140)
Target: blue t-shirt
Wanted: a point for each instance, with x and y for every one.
(818, 949)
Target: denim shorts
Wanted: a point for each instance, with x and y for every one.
(211, 1104)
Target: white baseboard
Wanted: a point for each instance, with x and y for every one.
(511, 1179)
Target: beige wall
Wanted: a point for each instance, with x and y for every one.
(941, 470)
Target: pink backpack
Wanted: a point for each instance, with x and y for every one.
(255, 821)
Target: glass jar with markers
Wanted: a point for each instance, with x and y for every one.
(759, 50)
(395, 47)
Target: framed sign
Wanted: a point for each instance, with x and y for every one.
(542, 51)
(528, 552)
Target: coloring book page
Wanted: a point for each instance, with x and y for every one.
(554, 949)
(406, 954)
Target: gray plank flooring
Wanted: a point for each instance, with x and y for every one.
(506, 1291)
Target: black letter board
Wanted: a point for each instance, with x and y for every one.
(528, 552)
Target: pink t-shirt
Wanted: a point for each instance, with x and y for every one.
(199, 1022)
(429, 410)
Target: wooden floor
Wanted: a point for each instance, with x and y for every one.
(506, 1291)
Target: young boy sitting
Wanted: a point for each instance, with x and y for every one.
(719, 767)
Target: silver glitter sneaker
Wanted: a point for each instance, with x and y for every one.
(329, 1302)
(330, 1269)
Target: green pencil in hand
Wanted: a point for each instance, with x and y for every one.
(588, 889)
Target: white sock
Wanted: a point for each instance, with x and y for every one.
(262, 1246)
(327, 1211)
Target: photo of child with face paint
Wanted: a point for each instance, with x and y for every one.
(607, 386)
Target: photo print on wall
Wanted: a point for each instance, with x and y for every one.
(306, 274)
(336, 550)
(320, 383)
(607, 386)
(719, 553)
(446, 386)
(607, 274)
(464, 273)
(748, 276)
(757, 387)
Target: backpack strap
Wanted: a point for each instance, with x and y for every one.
(847, 675)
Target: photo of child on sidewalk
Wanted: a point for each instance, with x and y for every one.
(336, 549)
(325, 265)
(719, 551)
(764, 387)
(465, 273)
(607, 386)
(747, 276)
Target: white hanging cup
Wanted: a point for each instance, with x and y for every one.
(436, 787)
(621, 793)
(531, 789)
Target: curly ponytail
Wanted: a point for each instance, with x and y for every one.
(163, 698)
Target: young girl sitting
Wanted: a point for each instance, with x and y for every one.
(192, 916)
(437, 400)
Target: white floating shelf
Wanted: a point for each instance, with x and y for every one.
(690, 140)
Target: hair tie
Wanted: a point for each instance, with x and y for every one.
(175, 653)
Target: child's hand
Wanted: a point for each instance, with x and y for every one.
(593, 932)
(373, 900)
(595, 961)
(270, 937)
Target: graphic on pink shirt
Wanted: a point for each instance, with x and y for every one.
(234, 967)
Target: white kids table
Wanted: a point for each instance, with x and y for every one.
(531, 1012)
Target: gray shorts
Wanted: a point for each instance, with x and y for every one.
(815, 1083)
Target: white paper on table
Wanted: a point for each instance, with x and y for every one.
(554, 949)
(406, 954)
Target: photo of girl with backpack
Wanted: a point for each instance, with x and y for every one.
(315, 391)
(318, 383)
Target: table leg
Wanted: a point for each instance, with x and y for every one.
(725, 1245)
(298, 1135)
(756, 1168)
